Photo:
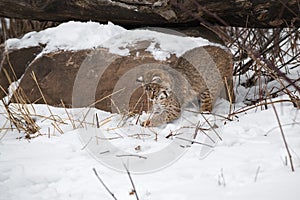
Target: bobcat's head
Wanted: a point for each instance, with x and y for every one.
(157, 76)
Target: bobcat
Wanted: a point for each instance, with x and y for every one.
(202, 74)
(164, 105)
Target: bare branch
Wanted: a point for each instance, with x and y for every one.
(131, 181)
(283, 137)
(98, 177)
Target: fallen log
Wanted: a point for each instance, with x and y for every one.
(242, 13)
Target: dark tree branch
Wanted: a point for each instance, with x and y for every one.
(242, 13)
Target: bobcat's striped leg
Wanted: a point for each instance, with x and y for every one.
(156, 120)
(170, 113)
(206, 101)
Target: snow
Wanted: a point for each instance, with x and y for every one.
(77, 36)
(240, 159)
(249, 162)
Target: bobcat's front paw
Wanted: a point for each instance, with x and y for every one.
(153, 122)
(146, 123)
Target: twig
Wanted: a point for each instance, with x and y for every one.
(256, 174)
(131, 155)
(246, 108)
(134, 190)
(2, 136)
(104, 152)
(196, 132)
(180, 138)
(42, 94)
(139, 134)
(213, 129)
(105, 121)
(70, 119)
(57, 128)
(283, 137)
(84, 118)
(87, 143)
(97, 121)
(214, 114)
(203, 131)
(108, 138)
(98, 177)
(221, 179)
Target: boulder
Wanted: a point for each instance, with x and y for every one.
(81, 78)
(13, 63)
(54, 74)
(98, 78)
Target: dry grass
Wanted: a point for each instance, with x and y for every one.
(20, 114)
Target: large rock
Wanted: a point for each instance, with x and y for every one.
(98, 78)
(13, 63)
(55, 74)
(82, 77)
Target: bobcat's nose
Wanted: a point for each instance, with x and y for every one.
(149, 90)
(147, 87)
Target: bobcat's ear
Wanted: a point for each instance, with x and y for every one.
(140, 79)
(156, 79)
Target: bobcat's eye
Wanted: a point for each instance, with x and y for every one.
(156, 79)
(166, 93)
(140, 79)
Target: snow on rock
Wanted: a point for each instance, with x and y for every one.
(86, 35)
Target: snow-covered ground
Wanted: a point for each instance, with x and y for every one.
(249, 163)
(242, 158)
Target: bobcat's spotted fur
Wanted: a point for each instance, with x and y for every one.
(165, 107)
(202, 74)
